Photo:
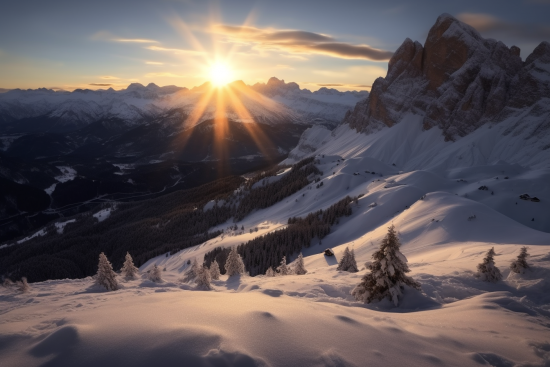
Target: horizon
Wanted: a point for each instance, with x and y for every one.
(100, 45)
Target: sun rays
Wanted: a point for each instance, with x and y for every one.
(222, 99)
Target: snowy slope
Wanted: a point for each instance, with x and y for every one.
(311, 320)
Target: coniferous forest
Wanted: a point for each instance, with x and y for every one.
(148, 228)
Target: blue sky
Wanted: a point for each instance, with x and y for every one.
(96, 44)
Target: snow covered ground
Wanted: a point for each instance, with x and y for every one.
(312, 320)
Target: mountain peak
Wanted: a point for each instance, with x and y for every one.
(135, 86)
(152, 86)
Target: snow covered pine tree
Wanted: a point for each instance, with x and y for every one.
(215, 270)
(23, 286)
(105, 274)
(128, 268)
(299, 267)
(283, 268)
(234, 264)
(387, 273)
(519, 265)
(487, 270)
(270, 272)
(347, 262)
(155, 274)
(203, 278)
(193, 271)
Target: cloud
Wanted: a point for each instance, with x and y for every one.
(282, 66)
(154, 63)
(109, 77)
(176, 51)
(299, 42)
(108, 36)
(100, 84)
(135, 40)
(486, 23)
(331, 85)
(164, 75)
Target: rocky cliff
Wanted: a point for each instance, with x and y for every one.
(458, 81)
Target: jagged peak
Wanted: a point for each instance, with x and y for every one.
(542, 51)
(152, 86)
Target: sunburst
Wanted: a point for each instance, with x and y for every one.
(216, 66)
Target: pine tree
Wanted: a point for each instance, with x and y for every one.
(215, 270)
(270, 272)
(343, 265)
(192, 272)
(283, 268)
(352, 265)
(155, 274)
(105, 274)
(234, 264)
(519, 265)
(23, 286)
(299, 267)
(203, 278)
(128, 269)
(487, 270)
(387, 273)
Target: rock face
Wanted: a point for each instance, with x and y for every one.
(457, 81)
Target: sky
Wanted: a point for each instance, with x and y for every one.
(344, 44)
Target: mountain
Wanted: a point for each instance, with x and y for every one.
(47, 110)
(454, 186)
(322, 107)
(458, 100)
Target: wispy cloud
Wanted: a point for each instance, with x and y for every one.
(109, 77)
(154, 63)
(487, 23)
(134, 40)
(108, 36)
(100, 84)
(177, 51)
(330, 85)
(165, 74)
(299, 42)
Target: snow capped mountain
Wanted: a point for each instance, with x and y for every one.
(459, 100)
(325, 106)
(137, 104)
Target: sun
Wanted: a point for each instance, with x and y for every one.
(220, 74)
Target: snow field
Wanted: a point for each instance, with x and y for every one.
(310, 320)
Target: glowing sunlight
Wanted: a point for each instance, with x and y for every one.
(220, 74)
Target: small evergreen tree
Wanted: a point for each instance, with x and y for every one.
(23, 286)
(283, 269)
(105, 274)
(519, 265)
(299, 267)
(155, 274)
(7, 283)
(270, 272)
(387, 273)
(347, 262)
(487, 270)
(203, 278)
(215, 270)
(352, 268)
(192, 272)
(234, 264)
(128, 268)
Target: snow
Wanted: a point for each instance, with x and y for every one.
(67, 174)
(42, 232)
(61, 225)
(50, 189)
(103, 214)
(455, 319)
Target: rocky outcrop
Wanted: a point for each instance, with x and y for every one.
(457, 81)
